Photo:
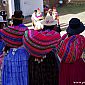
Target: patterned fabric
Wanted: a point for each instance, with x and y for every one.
(40, 43)
(72, 48)
(13, 35)
(15, 67)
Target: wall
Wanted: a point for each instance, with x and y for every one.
(11, 7)
(28, 6)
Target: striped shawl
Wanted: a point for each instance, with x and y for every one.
(72, 48)
(40, 43)
(13, 35)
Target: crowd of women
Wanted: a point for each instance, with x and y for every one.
(42, 57)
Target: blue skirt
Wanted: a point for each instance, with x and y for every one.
(15, 68)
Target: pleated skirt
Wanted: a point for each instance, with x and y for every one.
(72, 73)
(44, 73)
(15, 68)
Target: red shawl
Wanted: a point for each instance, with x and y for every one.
(72, 48)
(40, 43)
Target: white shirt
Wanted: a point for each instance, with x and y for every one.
(34, 17)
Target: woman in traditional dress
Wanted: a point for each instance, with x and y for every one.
(15, 65)
(43, 63)
(13, 34)
(72, 67)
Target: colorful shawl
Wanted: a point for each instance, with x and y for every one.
(13, 35)
(40, 43)
(72, 48)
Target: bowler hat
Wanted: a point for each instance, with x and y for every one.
(75, 27)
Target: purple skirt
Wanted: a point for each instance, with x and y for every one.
(72, 73)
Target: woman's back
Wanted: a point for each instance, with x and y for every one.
(72, 66)
(43, 63)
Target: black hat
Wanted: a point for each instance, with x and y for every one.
(75, 27)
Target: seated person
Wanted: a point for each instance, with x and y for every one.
(55, 15)
(49, 13)
(39, 14)
(38, 20)
(34, 17)
(50, 23)
(17, 18)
